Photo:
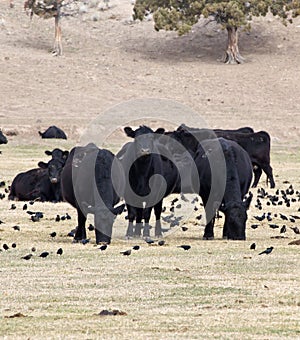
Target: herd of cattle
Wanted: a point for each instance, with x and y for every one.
(215, 164)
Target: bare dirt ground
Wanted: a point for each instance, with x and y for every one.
(218, 289)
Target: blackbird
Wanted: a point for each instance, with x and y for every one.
(16, 227)
(161, 242)
(53, 234)
(25, 206)
(44, 254)
(103, 247)
(27, 257)
(296, 230)
(283, 229)
(57, 218)
(59, 251)
(136, 247)
(91, 227)
(126, 252)
(184, 228)
(185, 246)
(5, 246)
(267, 251)
(14, 245)
(253, 246)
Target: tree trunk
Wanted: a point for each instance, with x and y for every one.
(232, 54)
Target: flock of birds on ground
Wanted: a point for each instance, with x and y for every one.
(288, 198)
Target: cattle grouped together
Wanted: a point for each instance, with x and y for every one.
(215, 164)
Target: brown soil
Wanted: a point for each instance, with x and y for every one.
(108, 59)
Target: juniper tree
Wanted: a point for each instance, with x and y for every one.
(181, 15)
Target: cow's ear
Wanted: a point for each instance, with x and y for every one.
(118, 210)
(43, 165)
(160, 131)
(248, 200)
(48, 153)
(129, 132)
(65, 154)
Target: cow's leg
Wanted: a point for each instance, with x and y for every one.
(57, 42)
(138, 225)
(269, 172)
(257, 174)
(209, 228)
(147, 214)
(131, 217)
(103, 231)
(80, 231)
(225, 231)
(157, 211)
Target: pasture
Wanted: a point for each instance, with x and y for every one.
(216, 290)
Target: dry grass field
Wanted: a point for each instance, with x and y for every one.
(218, 289)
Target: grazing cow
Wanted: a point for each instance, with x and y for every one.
(143, 159)
(42, 183)
(91, 181)
(53, 132)
(3, 139)
(257, 145)
(228, 188)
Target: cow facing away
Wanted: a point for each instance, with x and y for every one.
(53, 132)
(224, 190)
(91, 182)
(256, 144)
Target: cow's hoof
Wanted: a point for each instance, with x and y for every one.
(208, 237)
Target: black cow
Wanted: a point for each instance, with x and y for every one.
(143, 159)
(3, 139)
(53, 132)
(256, 144)
(31, 185)
(57, 154)
(225, 174)
(42, 183)
(245, 129)
(91, 182)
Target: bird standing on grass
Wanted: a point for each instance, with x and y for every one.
(126, 252)
(185, 246)
(59, 251)
(267, 251)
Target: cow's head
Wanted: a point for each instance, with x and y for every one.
(235, 219)
(104, 219)
(143, 139)
(58, 154)
(54, 167)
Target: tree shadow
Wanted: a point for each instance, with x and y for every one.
(206, 42)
